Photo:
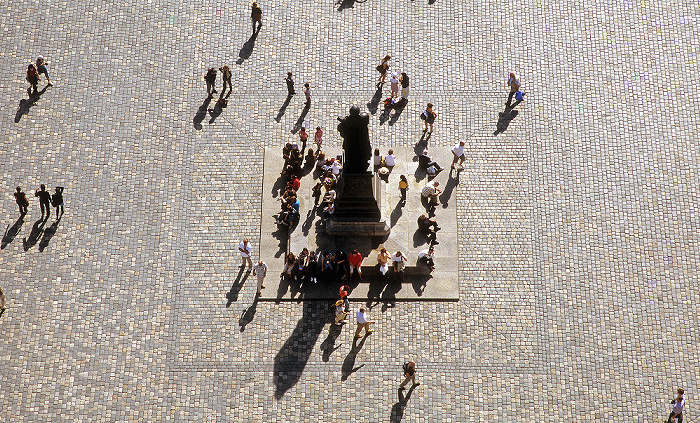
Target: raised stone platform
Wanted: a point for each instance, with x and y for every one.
(419, 283)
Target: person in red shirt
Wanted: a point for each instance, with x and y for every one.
(355, 261)
(344, 291)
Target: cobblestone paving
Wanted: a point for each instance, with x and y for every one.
(578, 223)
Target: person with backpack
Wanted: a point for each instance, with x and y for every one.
(428, 117)
(226, 77)
(677, 411)
(22, 201)
(514, 84)
(256, 15)
(57, 201)
(383, 68)
(32, 78)
(409, 371)
(210, 78)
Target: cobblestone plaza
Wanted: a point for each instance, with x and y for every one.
(577, 219)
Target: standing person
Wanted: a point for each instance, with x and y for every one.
(403, 187)
(57, 201)
(2, 300)
(260, 270)
(409, 370)
(307, 93)
(514, 84)
(394, 84)
(44, 199)
(428, 116)
(427, 256)
(22, 201)
(303, 137)
(318, 138)
(404, 86)
(32, 78)
(290, 84)
(340, 313)
(355, 261)
(41, 68)
(677, 411)
(383, 260)
(458, 155)
(226, 77)
(210, 77)
(383, 68)
(256, 15)
(362, 322)
(245, 248)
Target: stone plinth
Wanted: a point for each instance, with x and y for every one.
(356, 209)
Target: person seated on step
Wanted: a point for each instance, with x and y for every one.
(342, 265)
(289, 261)
(424, 162)
(310, 271)
(426, 256)
(299, 272)
(398, 262)
(327, 266)
(329, 180)
(390, 159)
(376, 158)
(287, 194)
(328, 198)
(336, 167)
(429, 227)
(328, 211)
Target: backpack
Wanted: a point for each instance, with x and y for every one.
(405, 367)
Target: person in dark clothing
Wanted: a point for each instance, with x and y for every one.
(341, 265)
(32, 78)
(290, 84)
(226, 77)
(424, 161)
(429, 227)
(22, 201)
(210, 77)
(256, 15)
(57, 201)
(404, 86)
(41, 68)
(44, 200)
(311, 267)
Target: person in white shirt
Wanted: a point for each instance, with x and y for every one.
(427, 256)
(362, 322)
(398, 261)
(260, 270)
(677, 411)
(245, 248)
(390, 159)
(335, 167)
(340, 313)
(431, 191)
(458, 153)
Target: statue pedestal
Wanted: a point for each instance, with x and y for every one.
(357, 208)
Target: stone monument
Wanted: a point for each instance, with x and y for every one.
(356, 208)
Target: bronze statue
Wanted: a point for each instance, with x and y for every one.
(353, 128)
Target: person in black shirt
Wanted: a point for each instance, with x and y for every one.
(44, 200)
(425, 162)
(210, 77)
(22, 201)
(57, 201)
(404, 86)
(341, 265)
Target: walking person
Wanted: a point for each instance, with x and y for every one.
(362, 322)
(409, 371)
(514, 84)
(44, 199)
(22, 201)
(245, 248)
(290, 84)
(428, 116)
(458, 155)
(256, 15)
(677, 410)
(404, 86)
(318, 139)
(226, 77)
(2, 300)
(32, 78)
(340, 313)
(210, 78)
(41, 68)
(403, 187)
(303, 137)
(383, 68)
(260, 270)
(307, 94)
(355, 261)
(57, 201)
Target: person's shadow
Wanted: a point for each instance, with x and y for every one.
(396, 213)
(348, 367)
(232, 295)
(397, 112)
(201, 114)
(11, 232)
(300, 121)
(384, 117)
(217, 110)
(504, 119)
(26, 104)
(446, 194)
(247, 48)
(282, 109)
(248, 314)
(398, 408)
(373, 104)
(328, 344)
(48, 233)
(34, 235)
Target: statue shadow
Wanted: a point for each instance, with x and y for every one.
(248, 314)
(348, 367)
(26, 104)
(11, 232)
(328, 345)
(504, 119)
(451, 184)
(397, 409)
(247, 48)
(282, 109)
(34, 235)
(300, 122)
(201, 114)
(291, 359)
(373, 104)
(232, 294)
(48, 234)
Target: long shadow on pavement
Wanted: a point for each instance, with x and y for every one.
(11, 232)
(232, 295)
(48, 233)
(26, 104)
(201, 113)
(247, 48)
(34, 235)
(349, 362)
(399, 407)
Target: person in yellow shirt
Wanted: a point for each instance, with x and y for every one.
(403, 187)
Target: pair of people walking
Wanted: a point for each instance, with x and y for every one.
(46, 200)
(210, 79)
(34, 70)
